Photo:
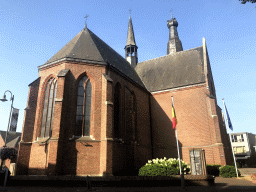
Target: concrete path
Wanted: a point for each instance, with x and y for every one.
(221, 185)
(247, 171)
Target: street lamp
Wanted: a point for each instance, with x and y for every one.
(4, 99)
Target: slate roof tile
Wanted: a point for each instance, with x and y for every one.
(89, 47)
(12, 139)
(174, 70)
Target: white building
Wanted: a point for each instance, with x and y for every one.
(244, 146)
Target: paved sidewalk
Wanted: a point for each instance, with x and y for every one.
(247, 171)
(221, 185)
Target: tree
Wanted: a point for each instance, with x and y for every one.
(7, 153)
(245, 1)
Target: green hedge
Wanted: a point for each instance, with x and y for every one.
(158, 170)
(163, 167)
(229, 171)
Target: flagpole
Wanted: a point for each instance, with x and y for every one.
(178, 149)
(230, 138)
(177, 142)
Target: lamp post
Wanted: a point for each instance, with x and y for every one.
(4, 99)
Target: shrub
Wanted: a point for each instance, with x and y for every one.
(229, 171)
(213, 169)
(163, 167)
(157, 170)
(8, 153)
(252, 160)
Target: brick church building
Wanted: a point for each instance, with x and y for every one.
(93, 112)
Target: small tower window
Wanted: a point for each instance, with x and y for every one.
(83, 113)
(48, 110)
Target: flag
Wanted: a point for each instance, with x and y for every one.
(14, 120)
(174, 120)
(228, 118)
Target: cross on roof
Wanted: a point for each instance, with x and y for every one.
(171, 11)
(86, 20)
(130, 11)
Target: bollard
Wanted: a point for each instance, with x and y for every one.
(6, 171)
(88, 183)
(182, 180)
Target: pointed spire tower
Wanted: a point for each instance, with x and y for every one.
(131, 48)
(174, 44)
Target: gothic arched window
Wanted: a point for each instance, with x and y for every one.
(83, 113)
(117, 111)
(130, 132)
(134, 116)
(48, 110)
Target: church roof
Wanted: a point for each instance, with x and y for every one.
(130, 34)
(171, 71)
(12, 139)
(88, 47)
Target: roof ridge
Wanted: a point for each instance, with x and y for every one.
(71, 50)
(66, 55)
(90, 32)
(14, 139)
(107, 46)
(169, 55)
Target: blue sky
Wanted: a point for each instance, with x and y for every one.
(31, 32)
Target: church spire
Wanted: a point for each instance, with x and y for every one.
(131, 48)
(174, 43)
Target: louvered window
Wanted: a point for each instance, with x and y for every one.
(48, 110)
(83, 113)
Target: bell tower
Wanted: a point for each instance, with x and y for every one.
(131, 48)
(174, 44)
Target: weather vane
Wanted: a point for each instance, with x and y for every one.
(86, 20)
(171, 12)
(130, 11)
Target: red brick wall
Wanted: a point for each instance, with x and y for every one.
(97, 157)
(196, 127)
(129, 155)
(28, 129)
(1, 141)
(85, 155)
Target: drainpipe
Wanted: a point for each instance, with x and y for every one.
(151, 129)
